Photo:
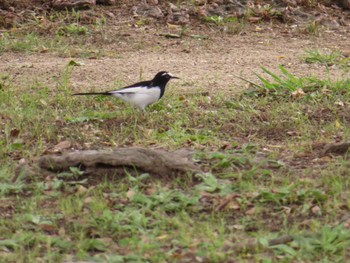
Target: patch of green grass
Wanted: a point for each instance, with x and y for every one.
(313, 28)
(310, 88)
(72, 29)
(261, 177)
(331, 58)
(60, 45)
(265, 12)
(229, 25)
(66, 33)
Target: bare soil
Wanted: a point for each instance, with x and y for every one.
(204, 63)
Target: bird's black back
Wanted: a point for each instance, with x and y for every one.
(160, 80)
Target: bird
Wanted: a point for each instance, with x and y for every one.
(140, 94)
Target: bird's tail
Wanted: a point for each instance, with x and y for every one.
(91, 93)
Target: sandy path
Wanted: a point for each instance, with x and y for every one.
(209, 64)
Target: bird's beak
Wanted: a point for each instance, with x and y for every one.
(173, 77)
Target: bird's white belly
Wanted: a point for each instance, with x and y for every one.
(140, 99)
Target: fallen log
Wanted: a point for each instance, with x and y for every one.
(141, 160)
(70, 4)
(341, 148)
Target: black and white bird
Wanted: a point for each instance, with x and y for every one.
(140, 94)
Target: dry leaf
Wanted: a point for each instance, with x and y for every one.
(62, 231)
(81, 189)
(130, 194)
(251, 211)
(162, 237)
(47, 228)
(339, 103)
(228, 202)
(88, 200)
(337, 124)
(298, 93)
(222, 204)
(287, 209)
(62, 146)
(150, 191)
(106, 240)
(234, 205)
(199, 259)
(14, 133)
(22, 161)
(254, 19)
(347, 224)
(43, 102)
(316, 210)
(172, 26)
(292, 133)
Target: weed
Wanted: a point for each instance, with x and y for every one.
(313, 28)
(265, 12)
(334, 57)
(294, 86)
(72, 29)
(229, 25)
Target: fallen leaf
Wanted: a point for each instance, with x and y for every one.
(250, 211)
(337, 124)
(14, 133)
(43, 102)
(316, 210)
(287, 209)
(292, 133)
(62, 231)
(106, 240)
(88, 200)
(306, 223)
(62, 146)
(339, 103)
(81, 189)
(162, 237)
(130, 194)
(199, 259)
(234, 205)
(172, 26)
(298, 93)
(347, 223)
(47, 228)
(22, 161)
(150, 191)
(254, 19)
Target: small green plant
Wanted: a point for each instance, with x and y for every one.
(265, 12)
(72, 29)
(331, 58)
(328, 244)
(27, 42)
(10, 185)
(216, 20)
(229, 24)
(291, 85)
(288, 195)
(313, 28)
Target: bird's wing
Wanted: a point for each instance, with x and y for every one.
(130, 90)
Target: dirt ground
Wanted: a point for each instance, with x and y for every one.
(208, 63)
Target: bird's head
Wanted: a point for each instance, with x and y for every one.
(163, 77)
